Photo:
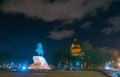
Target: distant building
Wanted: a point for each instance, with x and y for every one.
(75, 49)
(76, 54)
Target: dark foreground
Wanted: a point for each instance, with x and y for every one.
(52, 74)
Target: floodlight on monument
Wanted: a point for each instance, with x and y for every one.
(23, 67)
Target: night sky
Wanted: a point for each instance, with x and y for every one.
(55, 23)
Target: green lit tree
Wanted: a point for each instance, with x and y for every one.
(95, 57)
(59, 57)
(4, 57)
(87, 48)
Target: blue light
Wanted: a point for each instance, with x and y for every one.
(23, 68)
(9, 67)
(71, 69)
(107, 68)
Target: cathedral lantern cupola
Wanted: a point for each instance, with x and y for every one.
(75, 48)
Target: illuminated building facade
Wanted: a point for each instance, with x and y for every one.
(75, 49)
(76, 54)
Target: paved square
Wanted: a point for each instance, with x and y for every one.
(53, 74)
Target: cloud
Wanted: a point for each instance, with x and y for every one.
(59, 35)
(114, 52)
(64, 24)
(51, 10)
(115, 25)
(86, 25)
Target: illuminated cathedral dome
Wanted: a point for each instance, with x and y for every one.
(75, 48)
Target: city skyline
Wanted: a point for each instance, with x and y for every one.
(55, 23)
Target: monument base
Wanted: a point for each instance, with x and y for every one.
(39, 64)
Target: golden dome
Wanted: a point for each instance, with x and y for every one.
(75, 48)
(75, 44)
